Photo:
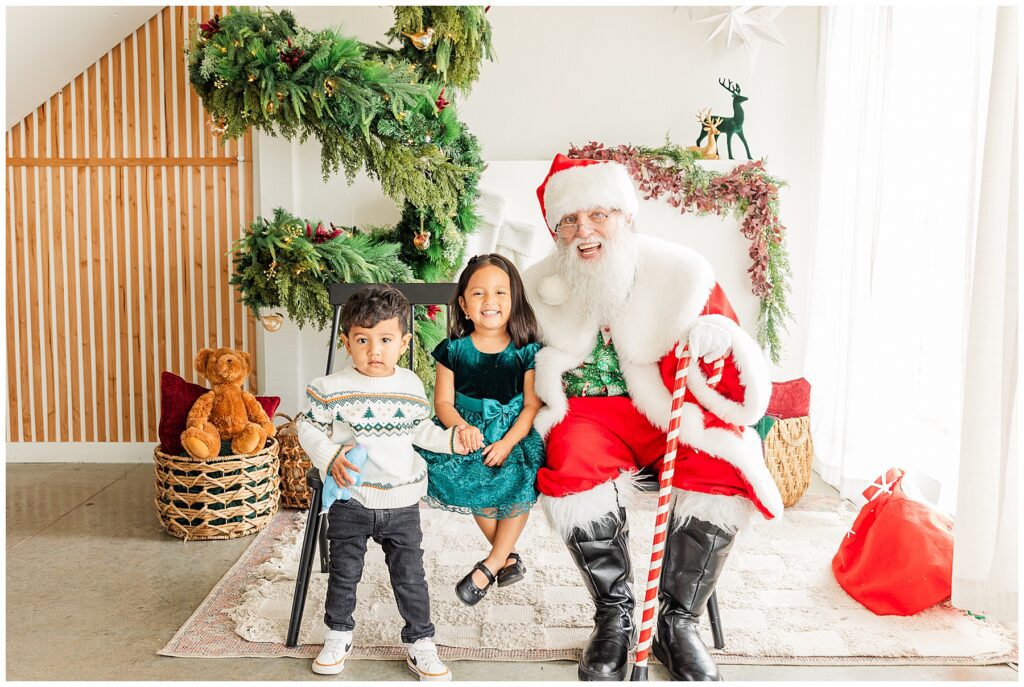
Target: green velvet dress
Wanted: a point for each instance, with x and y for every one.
(489, 395)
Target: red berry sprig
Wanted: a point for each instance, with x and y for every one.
(293, 56)
(210, 28)
(321, 234)
(441, 102)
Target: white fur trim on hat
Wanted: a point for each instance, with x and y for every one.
(606, 184)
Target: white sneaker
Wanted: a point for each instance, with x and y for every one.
(423, 661)
(337, 647)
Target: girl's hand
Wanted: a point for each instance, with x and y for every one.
(458, 446)
(340, 468)
(496, 453)
(471, 437)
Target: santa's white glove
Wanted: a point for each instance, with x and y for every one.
(709, 341)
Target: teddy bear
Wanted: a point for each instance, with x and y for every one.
(225, 411)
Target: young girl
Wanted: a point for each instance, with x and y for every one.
(485, 388)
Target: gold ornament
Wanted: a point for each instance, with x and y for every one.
(270, 107)
(329, 87)
(421, 40)
(273, 322)
(421, 240)
(252, 77)
(219, 125)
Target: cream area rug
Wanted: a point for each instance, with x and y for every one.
(778, 600)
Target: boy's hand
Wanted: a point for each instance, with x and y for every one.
(340, 468)
(496, 453)
(471, 437)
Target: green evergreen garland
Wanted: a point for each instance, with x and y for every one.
(372, 108)
(278, 263)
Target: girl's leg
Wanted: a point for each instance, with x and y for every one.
(488, 526)
(506, 535)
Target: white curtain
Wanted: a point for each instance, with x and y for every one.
(900, 163)
(985, 528)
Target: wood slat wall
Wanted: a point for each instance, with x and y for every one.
(121, 207)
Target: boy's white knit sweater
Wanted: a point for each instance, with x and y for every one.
(387, 415)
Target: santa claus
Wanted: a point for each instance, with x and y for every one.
(611, 305)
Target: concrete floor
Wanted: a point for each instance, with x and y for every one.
(95, 588)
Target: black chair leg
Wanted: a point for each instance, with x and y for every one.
(716, 621)
(325, 548)
(305, 568)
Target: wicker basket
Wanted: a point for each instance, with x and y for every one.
(220, 498)
(788, 452)
(294, 465)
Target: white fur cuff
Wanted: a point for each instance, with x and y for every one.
(585, 509)
(731, 513)
(753, 372)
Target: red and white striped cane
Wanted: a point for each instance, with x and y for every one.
(643, 649)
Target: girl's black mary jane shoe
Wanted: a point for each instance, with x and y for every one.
(466, 589)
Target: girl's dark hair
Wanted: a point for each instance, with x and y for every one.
(522, 323)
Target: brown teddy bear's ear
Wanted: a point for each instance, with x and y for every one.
(201, 358)
(244, 355)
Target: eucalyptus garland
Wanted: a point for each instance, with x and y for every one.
(748, 193)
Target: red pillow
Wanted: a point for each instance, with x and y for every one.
(176, 399)
(790, 399)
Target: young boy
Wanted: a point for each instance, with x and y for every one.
(384, 409)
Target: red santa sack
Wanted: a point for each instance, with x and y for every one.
(897, 558)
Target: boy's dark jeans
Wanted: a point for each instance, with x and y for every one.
(397, 530)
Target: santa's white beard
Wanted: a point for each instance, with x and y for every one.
(599, 288)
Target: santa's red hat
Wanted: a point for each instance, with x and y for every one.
(573, 185)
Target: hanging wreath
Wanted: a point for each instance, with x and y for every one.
(748, 193)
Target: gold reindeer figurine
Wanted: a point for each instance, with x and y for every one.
(709, 151)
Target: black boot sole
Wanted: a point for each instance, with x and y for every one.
(659, 654)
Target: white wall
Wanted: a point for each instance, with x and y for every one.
(82, 34)
(573, 74)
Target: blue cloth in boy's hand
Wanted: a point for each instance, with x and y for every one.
(332, 491)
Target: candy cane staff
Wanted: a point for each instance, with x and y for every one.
(664, 506)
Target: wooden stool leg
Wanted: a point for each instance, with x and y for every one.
(305, 568)
(716, 621)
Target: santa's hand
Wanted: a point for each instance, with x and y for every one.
(709, 341)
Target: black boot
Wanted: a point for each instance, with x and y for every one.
(695, 556)
(603, 560)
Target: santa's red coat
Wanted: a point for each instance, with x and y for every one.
(589, 440)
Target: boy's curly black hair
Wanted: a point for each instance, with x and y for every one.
(372, 304)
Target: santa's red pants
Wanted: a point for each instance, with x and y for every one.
(602, 436)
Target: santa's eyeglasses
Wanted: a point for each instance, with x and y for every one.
(570, 224)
